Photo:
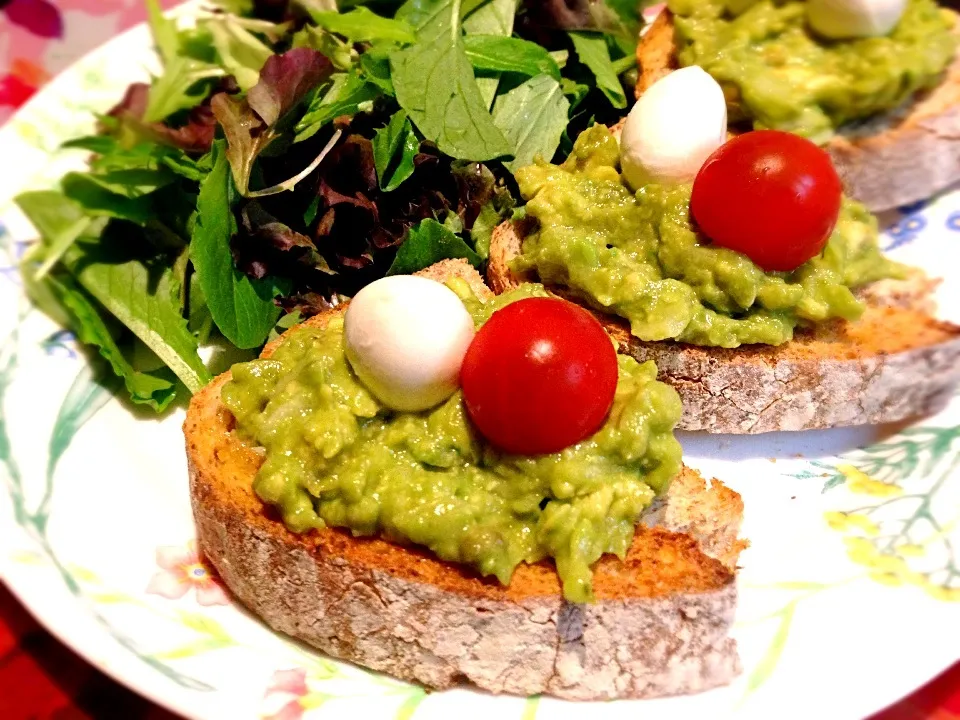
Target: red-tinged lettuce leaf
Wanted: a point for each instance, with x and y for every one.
(285, 80)
(250, 124)
(193, 136)
(265, 246)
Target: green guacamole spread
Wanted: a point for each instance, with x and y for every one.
(335, 456)
(637, 256)
(778, 73)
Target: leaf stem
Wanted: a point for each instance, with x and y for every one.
(292, 182)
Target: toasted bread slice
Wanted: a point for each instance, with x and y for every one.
(894, 159)
(896, 362)
(659, 626)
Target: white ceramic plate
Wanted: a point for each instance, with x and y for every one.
(839, 615)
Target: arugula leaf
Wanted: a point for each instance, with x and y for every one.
(346, 96)
(435, 85)
(427, 243)
(494, 18)
(533, 116)
(155, 389)
(508, 54)
(240, 51)
(362, 25)
(242, 307)
(593, 52)
(250, 123)
(394, 148)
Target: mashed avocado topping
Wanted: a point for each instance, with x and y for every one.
(637, 256)
(778, 73)
(334, 456)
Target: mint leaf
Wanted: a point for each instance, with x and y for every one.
(427, 243)
(509, 54)
(533, 116)
(394, 148)
(593, 52)
(434, 83)
(242, 308)
(345, 97)
(362, 25)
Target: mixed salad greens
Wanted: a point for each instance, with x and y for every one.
(291, 151)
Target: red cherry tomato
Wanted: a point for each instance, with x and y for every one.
(771, 195)
(539, 376)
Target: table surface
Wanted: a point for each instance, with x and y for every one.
(39, 677)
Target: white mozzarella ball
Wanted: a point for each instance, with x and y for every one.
(405, 337)
(843, 19)
(673, 129)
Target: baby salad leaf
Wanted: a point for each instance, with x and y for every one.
(494, 18)
(434, 83)
(394, 148)
(101, 196)
(508, 54)
(142, 296)
(284, 81)
(240, 51)
(593, 52)
(142, 299)
(145, 388)
(427, 243)
(375, 66)
(242, 308)
(533, 116)
(177, 87)
(346, 95)
(249, 123)
(362, 25)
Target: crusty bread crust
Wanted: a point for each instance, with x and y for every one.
(660, 625)
(892, 160)
(895, 363)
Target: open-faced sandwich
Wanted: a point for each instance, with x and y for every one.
(522, 522)
(740, 267)
(877, 82)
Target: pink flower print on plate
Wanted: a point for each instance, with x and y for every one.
(40, 17)
(289, 682)
(181, 570)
